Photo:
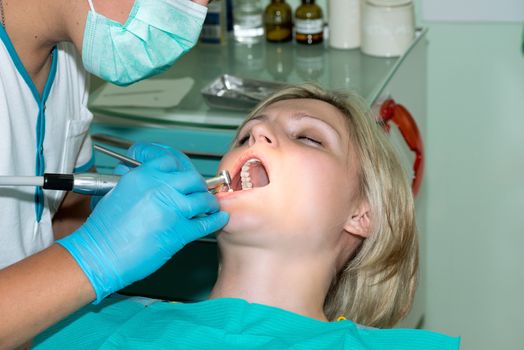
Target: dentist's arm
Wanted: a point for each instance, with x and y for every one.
(39, 291)
(154, 211)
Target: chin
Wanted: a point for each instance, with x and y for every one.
(248, 225)
(242, 221)
(245, 207)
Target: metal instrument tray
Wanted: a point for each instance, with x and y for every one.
(231, 92)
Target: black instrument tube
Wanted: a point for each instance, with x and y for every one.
(62, 182)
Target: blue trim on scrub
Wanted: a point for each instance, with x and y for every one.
(40, 123)
(86, 166)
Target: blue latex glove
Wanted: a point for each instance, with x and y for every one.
(94, 201)
(154, 211)
(122, 169)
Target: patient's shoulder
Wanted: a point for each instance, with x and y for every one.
(406, 339)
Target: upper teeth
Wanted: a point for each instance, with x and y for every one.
(244, 174)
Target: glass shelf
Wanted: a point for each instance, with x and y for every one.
(292, 63)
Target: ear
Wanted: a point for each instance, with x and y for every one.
(358, 223)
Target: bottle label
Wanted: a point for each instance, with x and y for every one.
(210, 34)
(212, 31)
(309, 26)
(249, 21)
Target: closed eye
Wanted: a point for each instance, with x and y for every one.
(309, 140)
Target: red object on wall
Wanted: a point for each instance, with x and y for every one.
(390, 111)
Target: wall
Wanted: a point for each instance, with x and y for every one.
(475, 168)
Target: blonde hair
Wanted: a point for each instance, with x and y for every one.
(377, 285)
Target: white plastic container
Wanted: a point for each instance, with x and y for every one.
(388, 27)
(344, 23)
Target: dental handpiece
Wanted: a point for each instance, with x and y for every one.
(93, 184)
(223, 179)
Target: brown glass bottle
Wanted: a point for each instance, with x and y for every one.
(309, 23)
(278, 21)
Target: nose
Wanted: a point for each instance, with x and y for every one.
(262, 133)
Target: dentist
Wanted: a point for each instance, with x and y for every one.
(156, 208)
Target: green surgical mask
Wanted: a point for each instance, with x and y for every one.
(154, 36)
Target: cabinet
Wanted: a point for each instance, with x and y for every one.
(205, 133)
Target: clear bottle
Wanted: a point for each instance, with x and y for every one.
(247, 21)
(309, 23)
(278, 21)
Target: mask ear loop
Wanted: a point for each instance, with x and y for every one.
(91, 5)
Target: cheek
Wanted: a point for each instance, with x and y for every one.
(321, 177)
(334, 186)
(227, 160)
(315, 187)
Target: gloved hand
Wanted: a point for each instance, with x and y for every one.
(150, 215)
(147, 153)
(93, 201)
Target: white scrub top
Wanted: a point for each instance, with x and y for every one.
(38, 133)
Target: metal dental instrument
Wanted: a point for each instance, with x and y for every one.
(93, 183)
(84, 183)
(120, 157)
(88, 183)
(223, 179)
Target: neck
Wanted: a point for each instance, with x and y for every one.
(34, 28)
(2, 14)
(273, 278)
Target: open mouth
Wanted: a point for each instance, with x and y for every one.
(252, 174)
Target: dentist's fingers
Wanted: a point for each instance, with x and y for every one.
(189, 206)
(186, 182)
(149, 152)
(205, 225)
(121, 169)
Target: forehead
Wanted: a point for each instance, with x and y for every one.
(315, 108)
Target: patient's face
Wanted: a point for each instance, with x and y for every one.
(294, 174)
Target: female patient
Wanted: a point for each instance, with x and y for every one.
(321, 230)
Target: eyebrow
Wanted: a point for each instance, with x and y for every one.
(258, 117)
(296, 116)
(301, 115)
